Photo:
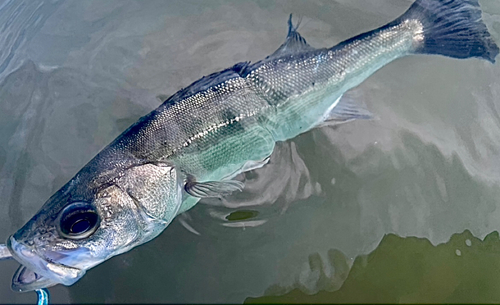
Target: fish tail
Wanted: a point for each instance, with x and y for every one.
(451, 28)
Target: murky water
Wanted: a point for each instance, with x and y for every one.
(75, 74)
(407, 270)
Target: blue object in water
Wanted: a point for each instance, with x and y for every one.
(43, 296)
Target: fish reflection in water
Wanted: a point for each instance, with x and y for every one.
(222, 125)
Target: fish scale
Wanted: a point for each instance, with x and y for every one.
(279, 99)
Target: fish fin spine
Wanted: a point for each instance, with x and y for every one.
(294, 42)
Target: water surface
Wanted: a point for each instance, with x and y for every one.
(75, 74)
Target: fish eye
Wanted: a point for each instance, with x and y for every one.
(78, 220)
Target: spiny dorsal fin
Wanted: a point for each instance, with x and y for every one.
(241, 68)
(294, 42)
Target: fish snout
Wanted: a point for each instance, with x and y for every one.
(37, 272)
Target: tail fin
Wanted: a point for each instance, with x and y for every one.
(452, 28)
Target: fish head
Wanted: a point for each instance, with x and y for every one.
(71, 234)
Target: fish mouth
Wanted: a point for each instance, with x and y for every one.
(37, 272)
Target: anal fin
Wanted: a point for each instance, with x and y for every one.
(346, 108)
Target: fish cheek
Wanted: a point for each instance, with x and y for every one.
(155, 189)
(120, 222)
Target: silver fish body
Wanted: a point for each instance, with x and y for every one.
(221, 125)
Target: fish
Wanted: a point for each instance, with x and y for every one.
(195, 143)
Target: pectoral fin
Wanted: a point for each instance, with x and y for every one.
(212, 188)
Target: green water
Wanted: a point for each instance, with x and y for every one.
(411, 270)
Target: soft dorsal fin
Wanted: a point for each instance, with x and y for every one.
(294, 42)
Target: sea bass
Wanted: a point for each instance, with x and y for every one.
(226, 123)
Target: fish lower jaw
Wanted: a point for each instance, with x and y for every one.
(55, 272)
